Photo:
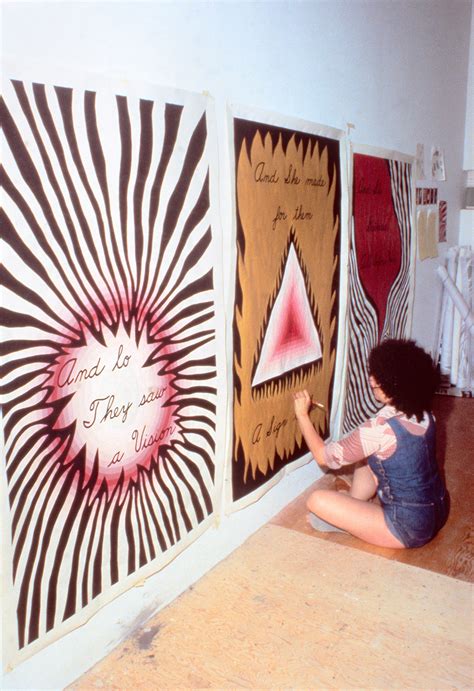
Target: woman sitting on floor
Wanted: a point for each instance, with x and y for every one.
(398, 447)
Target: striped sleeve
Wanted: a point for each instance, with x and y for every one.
(372, 437)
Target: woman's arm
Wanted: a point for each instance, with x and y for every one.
(315, 443)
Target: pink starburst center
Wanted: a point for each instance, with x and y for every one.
(119, 406)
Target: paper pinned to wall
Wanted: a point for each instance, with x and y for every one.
(110, 358)
(443, 221)
(438, 170)
(427, 230)
(420, 162)
(289, 191)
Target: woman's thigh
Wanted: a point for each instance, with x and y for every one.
(362, 519)
(364, 483)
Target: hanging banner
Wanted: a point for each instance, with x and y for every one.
(288, 233)
(381, 267)
(109, 360)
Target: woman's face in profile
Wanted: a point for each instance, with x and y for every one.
(377, 390)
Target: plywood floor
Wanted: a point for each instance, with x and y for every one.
(286, 611)
(297, 609)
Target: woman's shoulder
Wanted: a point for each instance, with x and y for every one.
(389, 413)
(383, 416)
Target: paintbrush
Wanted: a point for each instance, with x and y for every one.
(314, 404)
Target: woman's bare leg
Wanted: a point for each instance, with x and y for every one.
(363, 519)
(364, 483)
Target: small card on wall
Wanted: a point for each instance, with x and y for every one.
(426, 195)
(427, 223)
(443, 220)
(438, 171)
(420, 162)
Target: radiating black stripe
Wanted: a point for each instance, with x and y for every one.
(129, 535)
(124, 175)
(181, 367)
(29, 497)
(114, 534)
(167, 467)
(145, 496)
(208, 421)
(53, 514)
(33, 180)
(67, 526)
(52, 479)
(86, 571)
(14, 421)
(195, 472)
(142, 558)
(190, 338)
(172, 118)
(98, 558)
(185, 313)
(8, 347)
(144, 162)
(175, 204)
(145, 518)
(12, 365)
(48, 450)
(29, 295)
(45, 113)
(65, 104)
(12, 237)
(13, 319)
(195, 217)
(72, 588)
(172, 510)
(164, 513)
(192, 492)
(199, 285)
(195, 255)
(98, 159)
(182, 354)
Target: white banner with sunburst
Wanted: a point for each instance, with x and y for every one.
(110, 366)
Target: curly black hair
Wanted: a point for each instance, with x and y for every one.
(406, 374)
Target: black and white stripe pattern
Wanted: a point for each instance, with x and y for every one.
(397, 316)
(363, 335)
(107, 226)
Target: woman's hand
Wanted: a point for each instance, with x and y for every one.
(302, 402)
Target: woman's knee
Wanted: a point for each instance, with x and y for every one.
(319, 499)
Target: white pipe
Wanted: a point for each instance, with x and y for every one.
(458, 300)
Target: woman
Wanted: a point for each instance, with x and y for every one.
(398, 449)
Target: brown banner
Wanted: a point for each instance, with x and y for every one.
(288, 202)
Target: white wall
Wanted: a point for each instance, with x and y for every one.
(469, 134)
(397, 69)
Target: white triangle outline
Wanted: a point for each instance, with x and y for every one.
(266, 369)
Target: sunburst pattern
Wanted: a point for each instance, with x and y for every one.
(108, 349)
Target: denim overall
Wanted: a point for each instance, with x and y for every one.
(412, 493)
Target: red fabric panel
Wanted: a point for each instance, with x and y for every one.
(377, 233)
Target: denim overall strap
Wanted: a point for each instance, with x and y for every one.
(410, 473)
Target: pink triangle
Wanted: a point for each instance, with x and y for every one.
(291, 339)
